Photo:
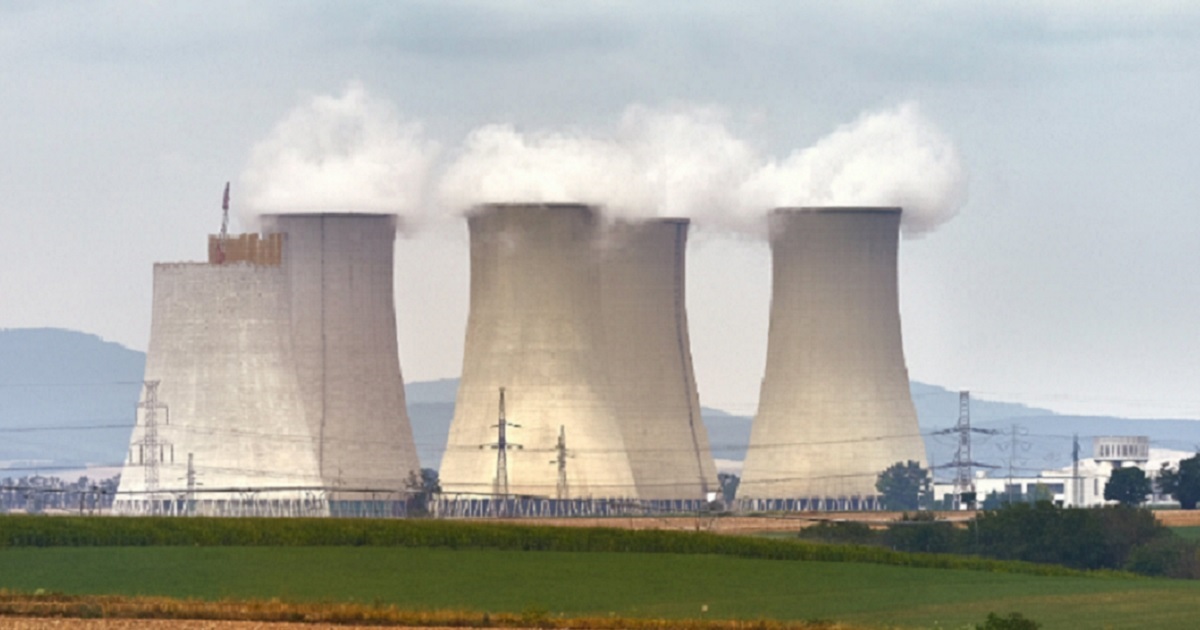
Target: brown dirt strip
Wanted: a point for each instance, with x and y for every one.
(740, 525)
(39, 623)
(734, 525)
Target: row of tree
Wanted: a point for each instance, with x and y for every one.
(1131, 486)
(1110, 537)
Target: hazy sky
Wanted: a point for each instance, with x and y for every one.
(1067, 279)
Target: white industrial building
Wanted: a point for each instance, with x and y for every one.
(1067, 487)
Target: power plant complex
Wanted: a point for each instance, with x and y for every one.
(273, 382)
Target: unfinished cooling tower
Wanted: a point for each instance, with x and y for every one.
(835, 408)
(343, 331)
(535, 330)
(227, 398)
(649, 359)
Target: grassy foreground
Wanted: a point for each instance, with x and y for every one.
(1189, 532)
(600, 584)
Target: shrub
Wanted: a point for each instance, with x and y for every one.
(923, 532)
(1168, 556)
(840, 532)
(1014, 621)
(28, 531)
(1096, 538)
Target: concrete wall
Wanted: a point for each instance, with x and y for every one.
(343, 323)
(835, 408)
(220, 347)
(649, 358)
(535, 328)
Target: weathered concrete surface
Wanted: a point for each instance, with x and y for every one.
(649, 358)
(343, 324)
(221, 348)
(835, 408)
(535, 329)
(282, 373)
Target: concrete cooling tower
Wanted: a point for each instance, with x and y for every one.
(535, 330)
(648, 353)
(835, 408)
(343, 331)
(228, 400)
(277, 377)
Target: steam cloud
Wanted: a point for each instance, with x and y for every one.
(686, 162)
(681, 162)
(347, 153)
(890, 158)
(500, 165)
(354, 153)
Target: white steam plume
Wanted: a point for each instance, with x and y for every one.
(890, 158)
(347, 153)
(686, 162)
(691, 164)
(681, 162)
(500, 165)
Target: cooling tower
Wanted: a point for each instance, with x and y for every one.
(535, 329)
(220, 349)
(343, 331)
(835, 408)
(649, 359)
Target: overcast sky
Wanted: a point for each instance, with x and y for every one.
(1068, 279)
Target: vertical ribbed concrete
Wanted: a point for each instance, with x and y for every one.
(220, 347)
(535, 328)
(343, 324)
(649, 358)
(835, 408)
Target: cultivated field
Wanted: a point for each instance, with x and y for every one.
(548, 577)
(550, 584)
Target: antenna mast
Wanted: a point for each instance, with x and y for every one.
(224, 226)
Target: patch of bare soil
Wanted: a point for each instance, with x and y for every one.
(1178, 518)
(734, 525)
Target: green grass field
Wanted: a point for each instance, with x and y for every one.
(632, 584)
(1190, 533)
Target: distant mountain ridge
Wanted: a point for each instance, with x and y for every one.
(54, 379)
(51, 379)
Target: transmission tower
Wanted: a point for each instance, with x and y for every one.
(963, 465)
(1014, 447)
(191, 486)
(502, 446)
(564, 490)
(153, 449)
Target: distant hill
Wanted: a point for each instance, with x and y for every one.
(52, 380)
